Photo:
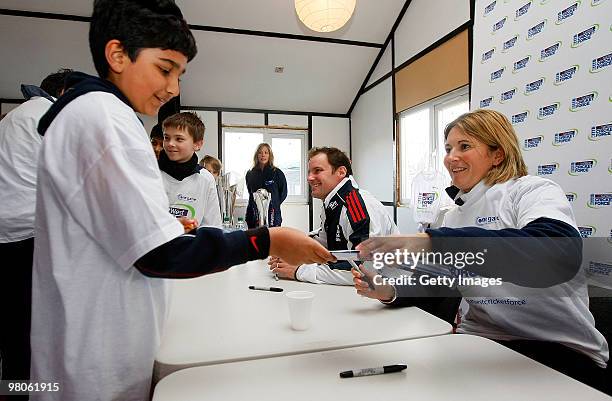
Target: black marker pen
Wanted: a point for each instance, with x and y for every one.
(373, 371)
(273, 289)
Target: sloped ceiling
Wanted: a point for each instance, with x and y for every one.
(234, 68)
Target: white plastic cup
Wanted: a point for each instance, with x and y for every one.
(300, 306)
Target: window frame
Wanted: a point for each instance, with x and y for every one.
(434, 106)
(268, 135)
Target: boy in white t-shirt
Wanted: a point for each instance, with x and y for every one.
(104, 237)
(191, 190)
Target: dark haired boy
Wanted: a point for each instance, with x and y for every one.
(19, 147)
(104, 235)
(157, 140)
(191, 190)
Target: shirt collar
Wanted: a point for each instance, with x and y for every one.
(334, 191)
(462, 198)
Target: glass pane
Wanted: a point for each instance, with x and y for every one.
(238, 151)
(288, 157)
(447, 112)
(414, 150)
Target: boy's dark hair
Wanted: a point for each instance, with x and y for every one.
(55, 83)
(156, 132)
(188, 121)
(335, 157)
(138, 24)
(213, 161)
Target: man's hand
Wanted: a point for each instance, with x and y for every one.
(282, 269)
(383, 293)
(295, 247)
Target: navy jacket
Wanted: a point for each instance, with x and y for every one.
(273, 180)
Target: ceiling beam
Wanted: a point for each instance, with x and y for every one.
(204, 28)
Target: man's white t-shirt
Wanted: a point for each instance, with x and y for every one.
(101, 205)
(19, 147)
(195, 197)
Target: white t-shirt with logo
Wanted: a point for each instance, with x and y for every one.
(558, 314)
(19, 147)
(101, 205)
(194, 197)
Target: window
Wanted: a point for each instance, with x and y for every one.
(421, 139)
(289, 148)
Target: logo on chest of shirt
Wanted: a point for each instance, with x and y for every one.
(426, 199)
(486, 220)
(186, 198)
(333, 205)
(182, 210)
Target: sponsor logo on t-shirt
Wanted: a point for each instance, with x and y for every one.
(533, 86)
(522, 11)
(582, 166)
(520, 64)
(599, 200)
(582, 102)
(547, 111)
(495, 75)
(571, 196)
(508, 95)
(333, 205)
(499, 24)
(600, 131)
(602, 62)
(586, 231)
(565, 75)
(509, 44)
(426, 199)
(536, 30)
(549, 51)
(186, 198)
(486, 102)
(179, 212)
(485, 220)
(584, 36)
(487, 55)
(520, 117)
(567, 13)
(532, 143)
(564, 137)
(547, 169)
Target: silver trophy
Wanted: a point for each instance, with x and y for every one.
(262, 200)
(226, 191)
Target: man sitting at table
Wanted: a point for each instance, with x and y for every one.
(349, 216)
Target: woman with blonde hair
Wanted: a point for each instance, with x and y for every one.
(535, 300)
(265, 175)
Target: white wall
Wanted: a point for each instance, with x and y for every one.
(372, 138)
(425, 22)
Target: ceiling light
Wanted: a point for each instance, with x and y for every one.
(324, 15)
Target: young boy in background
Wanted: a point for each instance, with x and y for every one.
(157, 140)
(212, 164)
(104, 237)
(191, 190)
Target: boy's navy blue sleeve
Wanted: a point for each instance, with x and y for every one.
(544, 253)
(207, 250)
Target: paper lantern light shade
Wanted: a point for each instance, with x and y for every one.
(324, 15)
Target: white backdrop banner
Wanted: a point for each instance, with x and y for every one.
(547, 65)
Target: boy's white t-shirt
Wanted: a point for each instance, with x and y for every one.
(195, 197)
(101, 205)
(19, 147)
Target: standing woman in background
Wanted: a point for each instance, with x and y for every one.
(265, 175)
